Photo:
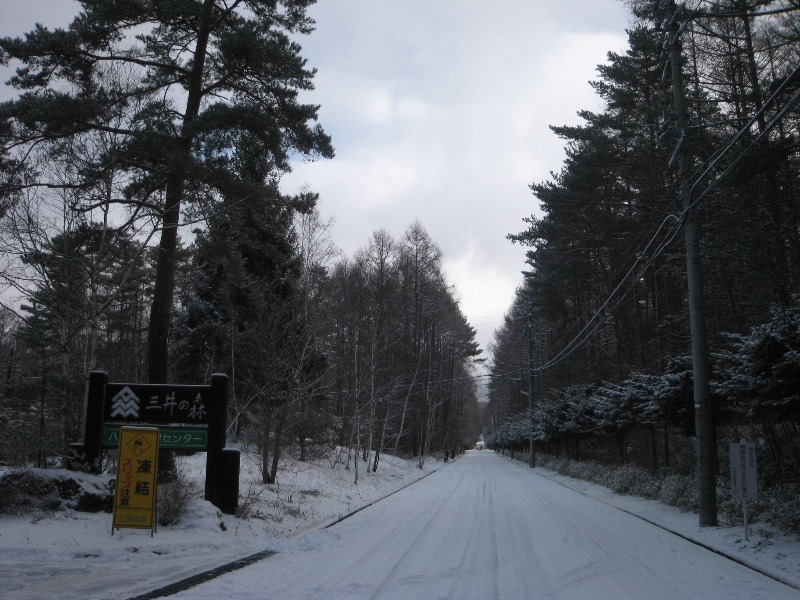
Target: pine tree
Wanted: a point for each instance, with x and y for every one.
(202, 81)
(612, 191)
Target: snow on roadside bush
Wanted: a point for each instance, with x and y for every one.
(633, 479)
(778, 505)
(32, 491)
(783, 507)
(173, 497)
(679, 491)
(675, 490)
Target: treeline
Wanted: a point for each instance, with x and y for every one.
(369, 352)
(606, 286)
(135, 124)
(647, 418)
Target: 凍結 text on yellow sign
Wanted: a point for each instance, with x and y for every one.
(135, 492)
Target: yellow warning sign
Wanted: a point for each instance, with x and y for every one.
(135, 492)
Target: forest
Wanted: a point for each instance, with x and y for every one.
(144, 234)
(599, 331)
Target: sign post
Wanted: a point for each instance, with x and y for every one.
(744, 477)
(188, 417)
(135, 490)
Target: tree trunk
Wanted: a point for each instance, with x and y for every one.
(164, 286)
(653, 447)
(383, 439)
(358, 444)
(405, 405)
(265, 429)
(41, 461)
(276, 450)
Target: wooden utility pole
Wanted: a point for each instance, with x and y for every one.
(532, 461)
(704, 428)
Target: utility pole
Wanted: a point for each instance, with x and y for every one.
(704, 428)
(530, 385)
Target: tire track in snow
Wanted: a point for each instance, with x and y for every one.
(422, 535)
(584, 539)
(645, 574)
(404, 532)
(471, 553)
(538, 540)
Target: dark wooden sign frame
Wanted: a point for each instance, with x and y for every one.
(175, 408)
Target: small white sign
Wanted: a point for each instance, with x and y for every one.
(744, 477)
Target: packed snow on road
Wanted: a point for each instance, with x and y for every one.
(480, 527)
(485, 528)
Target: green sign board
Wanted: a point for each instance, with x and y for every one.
(173, 438)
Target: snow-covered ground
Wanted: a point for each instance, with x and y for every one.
(73, 555)
(479, 527)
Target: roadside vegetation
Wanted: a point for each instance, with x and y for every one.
(599, 332)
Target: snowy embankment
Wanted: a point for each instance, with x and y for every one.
(69, 554)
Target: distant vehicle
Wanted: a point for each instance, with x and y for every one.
(480, 446)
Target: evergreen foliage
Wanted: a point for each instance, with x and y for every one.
(607, 279)
(190, 90)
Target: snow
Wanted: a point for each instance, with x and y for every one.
(73, 554)
(481, 526)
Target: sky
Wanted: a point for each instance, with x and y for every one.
(439, 112)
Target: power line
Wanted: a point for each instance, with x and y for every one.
(595, 322)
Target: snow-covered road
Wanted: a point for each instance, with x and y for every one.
(484, 528)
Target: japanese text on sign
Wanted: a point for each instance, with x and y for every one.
(173, 438)
(744, 477)
(156, 404)
(194, 411)
(134, 501)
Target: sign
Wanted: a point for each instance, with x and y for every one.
(169, 438)
(190, 417)
(135, 490)
(156, 404)
(744, 478)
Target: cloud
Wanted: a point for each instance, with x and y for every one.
(440, 112)
(483, 292)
